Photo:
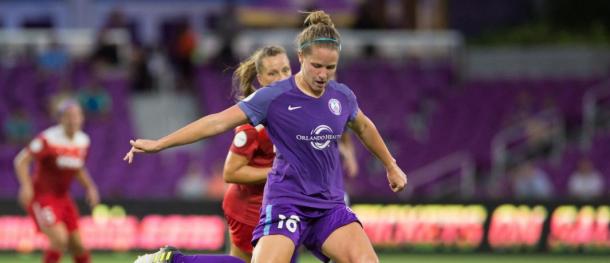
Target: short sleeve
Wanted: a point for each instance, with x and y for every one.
(38, 147)
(256, 105)
(245, 142)
(352, 101)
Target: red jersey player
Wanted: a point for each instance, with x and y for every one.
(59, 155)
(251, 154)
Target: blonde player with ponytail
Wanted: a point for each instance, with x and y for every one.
(251, 154)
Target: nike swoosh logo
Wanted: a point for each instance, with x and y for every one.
(294, 108)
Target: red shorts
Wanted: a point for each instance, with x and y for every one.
(48, 210)
(241, 234)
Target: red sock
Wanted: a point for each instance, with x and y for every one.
(51, 256)
(83, 258)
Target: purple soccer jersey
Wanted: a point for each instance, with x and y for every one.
(305, 130)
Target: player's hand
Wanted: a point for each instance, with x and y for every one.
(26, 194)
(93, 197)
(141, 146)
(397, 178)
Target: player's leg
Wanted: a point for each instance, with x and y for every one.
(58, 241)
(70, 217)
(278, 233)
(76, 248)
(241, 237)
(349, 243)
(237, 252)
(172, 255)
(273, 249)
(45, 212)
(339, 236)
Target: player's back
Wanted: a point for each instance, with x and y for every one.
(58, 159)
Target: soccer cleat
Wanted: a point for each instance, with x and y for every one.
(164, 255)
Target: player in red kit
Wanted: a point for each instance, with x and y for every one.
(251, 155)
(58, 154)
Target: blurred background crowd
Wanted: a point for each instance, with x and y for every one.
(478, 100)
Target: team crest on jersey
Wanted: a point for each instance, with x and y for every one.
(335, 106)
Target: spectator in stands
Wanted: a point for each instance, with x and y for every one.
(418, 121)
(523, 109)
(186, 46)
(531, 183)
(54, 58)
(94, 99)
(140, 69)
(534, 123)
(106, 55)
(540, 131)
(192, 186)
(370, 16)
(18, 128)
(226, 26)
(586, 182)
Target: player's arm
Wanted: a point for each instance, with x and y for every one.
(22, 163)
(370, 137)
(237, 171)
(85, 180)
(348, 152)
(207, 126)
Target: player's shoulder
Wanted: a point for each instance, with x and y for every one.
(341, 88)
(55, 135)
(82, 139)
(52, 134)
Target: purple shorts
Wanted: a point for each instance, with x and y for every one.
(303, 225)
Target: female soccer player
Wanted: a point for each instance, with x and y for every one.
(59, 154)
(305, 116)
(251, 155)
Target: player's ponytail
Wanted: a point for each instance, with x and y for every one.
(320, 31)
(243, 77)
(245, 74)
